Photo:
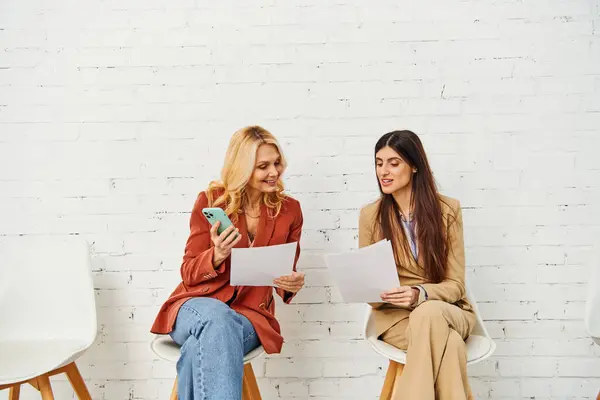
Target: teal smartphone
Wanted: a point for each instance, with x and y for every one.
(217, 214)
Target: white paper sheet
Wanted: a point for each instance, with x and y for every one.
(362, 275)
(258, 266)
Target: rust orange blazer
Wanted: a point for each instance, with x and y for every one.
(201, 279)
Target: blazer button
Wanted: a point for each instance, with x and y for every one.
(205, 289)
(261, 305)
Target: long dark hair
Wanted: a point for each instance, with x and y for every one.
(425, 203)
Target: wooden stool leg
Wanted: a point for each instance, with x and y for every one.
(34, 384)
(43, 383)
(394, 370)
(14, 392)
(250, 389)
(77, 382)
(174, 391)
(395, 388)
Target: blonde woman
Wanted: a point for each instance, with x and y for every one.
(215, 323)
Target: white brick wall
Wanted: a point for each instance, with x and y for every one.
(114, 114)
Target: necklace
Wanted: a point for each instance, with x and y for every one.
(252, 216)
(410, 217)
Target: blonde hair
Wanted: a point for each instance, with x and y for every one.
(240, 160)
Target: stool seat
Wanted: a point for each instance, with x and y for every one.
(165, 348)
(479, 347)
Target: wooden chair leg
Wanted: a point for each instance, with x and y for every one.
(395, 389)
(174, 391)
(250, 389)
(14, 392)
(43, 383)
(394, 370)
(33, 382)
(77, 382)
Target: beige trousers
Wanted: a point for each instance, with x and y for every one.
(433, 336)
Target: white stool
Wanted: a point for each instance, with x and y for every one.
(164, 347)
(479, 347)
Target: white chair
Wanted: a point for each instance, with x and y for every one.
(592, 309)
(164, 347)
(48, 312)
(479, 347)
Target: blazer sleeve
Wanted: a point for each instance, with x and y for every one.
(365, 237)
(294, 236)
(197, 266)
(451, 289)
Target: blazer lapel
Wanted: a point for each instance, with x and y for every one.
(241, 225)
(264, 231)
(402, 259)
(406, 259)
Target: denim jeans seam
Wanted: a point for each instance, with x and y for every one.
(200, 382)
(250, 336)
(193, 310)
(199, 357)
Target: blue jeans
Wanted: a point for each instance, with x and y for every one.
(213, 339)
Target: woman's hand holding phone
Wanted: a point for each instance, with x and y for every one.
(223, 242)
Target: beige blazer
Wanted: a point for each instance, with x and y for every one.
(411, 272)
